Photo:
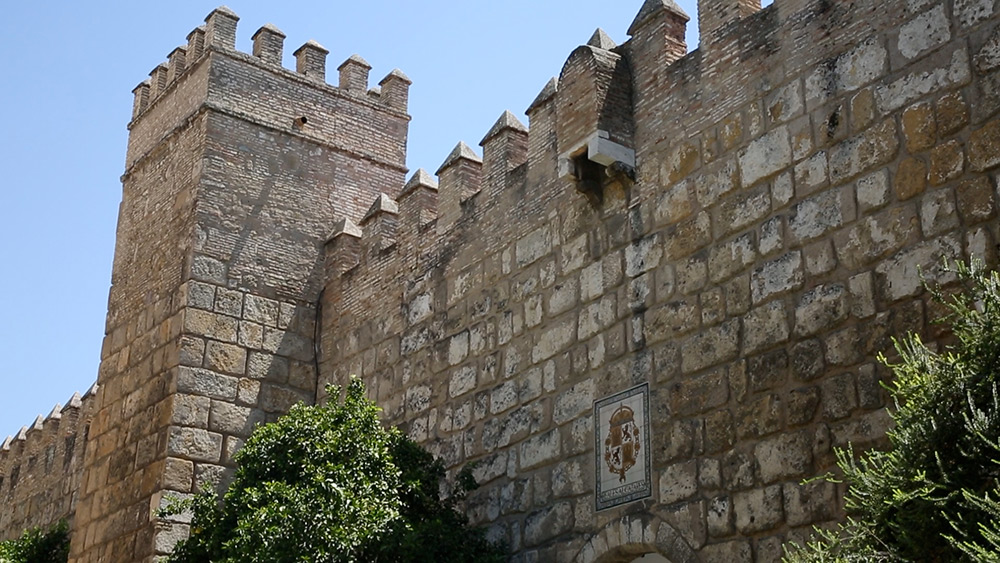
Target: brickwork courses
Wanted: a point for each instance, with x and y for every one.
(738, 231)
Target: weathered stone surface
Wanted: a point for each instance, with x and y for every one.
(857, 155)
(547, 523)
(711, 346)
(820, 308)
(784, 456)
(899, 277)
(765, 156)
(195, 444)
(984, 147)
(765, 326)
(678, 482)
(877, 235)
(924, 32)
(777, 276)
(758, 510)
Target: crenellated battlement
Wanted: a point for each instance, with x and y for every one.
(218, 34)
(40, 466)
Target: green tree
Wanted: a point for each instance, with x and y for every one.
(932, 495)
(329, 484)
(38, 545)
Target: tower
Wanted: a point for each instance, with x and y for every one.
(235, 172)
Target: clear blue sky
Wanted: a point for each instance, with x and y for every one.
(68, 68)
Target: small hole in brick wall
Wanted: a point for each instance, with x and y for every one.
(301, 121)
(589, 178)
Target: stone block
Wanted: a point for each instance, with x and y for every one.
(952, 113)
(842, 347)
(760, 417)
(820, 308)
(568, 479)
(597, 317)
(927, 31)
(207, 269)
(765, 156)
(976, 200)
(689, 520)
(691, 395)
(785, 102)
(742, 209)
(820, 214)
(533, 246)
(946, 71)
(211, 325)
(873, 191)
(458, 348)
(573, 402)
(876, 146)
(191, 410)
(228, 302)
(938, 213)
(820, 257)
(736, 551)
(418, 399)
(680, 162)
(251, 335)
(758, 510)
(911, 178)
(261, 310)
(728, 258)
(710, 347)
(863, 111)
(540, 449)
(688, 236)
(971, 12)
(777, 276)
(642, 256)
(720, 431)
(206, 383)
(719, 517)
(194, 444)
(947, 163)
(838, 396)
(768, 371)
(877, 235)
(228, 418)
(784, 457)
(462, 381)
(200, 295)
(674, 203)
(225, 358)
(802, 405)
(764, 327)
(811, 173)
(678, 482)
(900, 276)
(810, 503)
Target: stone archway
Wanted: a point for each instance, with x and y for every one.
(636, 538)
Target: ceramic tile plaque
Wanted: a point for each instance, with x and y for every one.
(622, 447)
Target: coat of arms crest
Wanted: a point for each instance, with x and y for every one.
(621, 447)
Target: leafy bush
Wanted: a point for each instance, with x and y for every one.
(932, 496)
(38, 545)
(330, 484)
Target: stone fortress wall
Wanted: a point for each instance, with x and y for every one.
(794, 176)
(741, 229)
(40, 467)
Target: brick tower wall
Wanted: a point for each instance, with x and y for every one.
(235, 173)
